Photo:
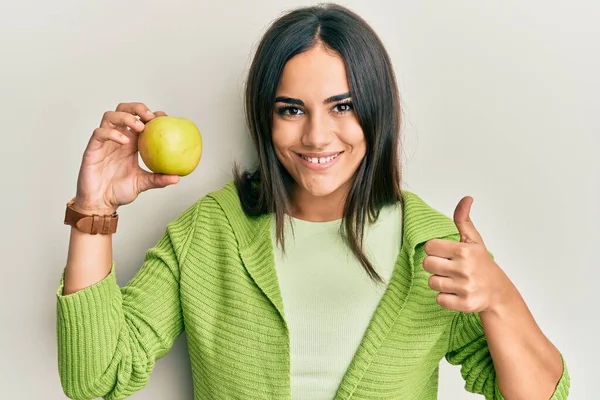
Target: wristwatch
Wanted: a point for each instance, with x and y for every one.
(92, 224)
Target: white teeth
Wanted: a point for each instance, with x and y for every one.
(320, 160)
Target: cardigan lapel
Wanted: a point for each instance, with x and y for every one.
(254, 241)
(259, 260)
(420, 224)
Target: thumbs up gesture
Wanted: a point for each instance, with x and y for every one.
(464, 273)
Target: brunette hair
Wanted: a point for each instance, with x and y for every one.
(375, 95)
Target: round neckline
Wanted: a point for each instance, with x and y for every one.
(298, 225)
(331, 221)
(319, 223)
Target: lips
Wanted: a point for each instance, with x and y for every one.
(322, 158)
(319, 161)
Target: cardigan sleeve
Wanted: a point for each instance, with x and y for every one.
(469, 349)
(109, 338)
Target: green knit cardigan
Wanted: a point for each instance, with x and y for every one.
(212, 274)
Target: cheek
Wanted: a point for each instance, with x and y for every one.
(353, 136)
(282, 137)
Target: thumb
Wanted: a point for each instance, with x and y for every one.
(149, 180)
(462, 219)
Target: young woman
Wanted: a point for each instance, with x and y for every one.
(313, 276)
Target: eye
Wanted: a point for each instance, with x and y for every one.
(343, 107)
(290, 111)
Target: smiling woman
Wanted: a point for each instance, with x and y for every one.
(320, 92)
(311, 276)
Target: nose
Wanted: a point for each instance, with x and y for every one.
(317, 134)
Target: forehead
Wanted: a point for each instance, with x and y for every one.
(314, 75)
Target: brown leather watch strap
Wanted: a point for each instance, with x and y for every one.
(92, 224)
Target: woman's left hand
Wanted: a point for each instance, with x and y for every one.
(464, 273)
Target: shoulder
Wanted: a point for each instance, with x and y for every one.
(220, 211)
(423, 222)
(218, 203)
(227, 201)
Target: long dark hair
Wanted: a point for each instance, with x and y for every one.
(376, 102)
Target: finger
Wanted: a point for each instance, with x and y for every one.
(462, 220)
(117, 119)
(449, 301)
(160, 113)
(440, 248)
(443, 284)
(136, 108)
(102, 135)
(438, 266)
(148, 181)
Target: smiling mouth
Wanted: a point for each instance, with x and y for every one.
(320, 160)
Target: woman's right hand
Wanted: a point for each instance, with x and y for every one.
(110, 175)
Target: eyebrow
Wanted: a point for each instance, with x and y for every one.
(298, 102)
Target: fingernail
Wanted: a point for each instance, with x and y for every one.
(140, 124)
(149, 113)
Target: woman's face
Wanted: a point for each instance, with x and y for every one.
(316, 134)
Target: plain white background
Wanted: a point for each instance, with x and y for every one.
(500, 102)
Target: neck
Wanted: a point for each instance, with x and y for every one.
(309, 207)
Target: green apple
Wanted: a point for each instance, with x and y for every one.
(170, 145)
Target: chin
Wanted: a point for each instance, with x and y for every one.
(321, 188)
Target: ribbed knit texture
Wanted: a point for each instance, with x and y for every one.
(213, 273)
